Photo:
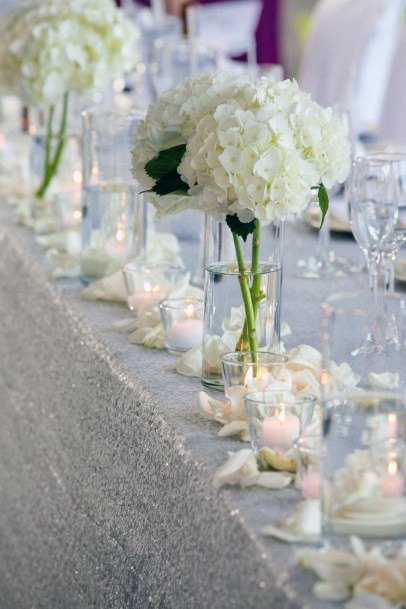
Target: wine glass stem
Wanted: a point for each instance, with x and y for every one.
(388, 264)
(377, 312)
(373, 266)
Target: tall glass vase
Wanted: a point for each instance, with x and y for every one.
(50, 134)
(225, 316)
(112, 229)
(55, 167)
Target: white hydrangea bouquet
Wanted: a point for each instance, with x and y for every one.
(50, 48)
(253, 151)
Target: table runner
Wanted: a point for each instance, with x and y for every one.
(105, 466)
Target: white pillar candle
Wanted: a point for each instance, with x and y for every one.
(393, 484)
(185, 334)
(310, 485)
(281, 430)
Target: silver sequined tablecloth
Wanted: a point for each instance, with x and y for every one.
(106, 499)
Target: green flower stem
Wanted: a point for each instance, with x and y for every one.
(51, 165)
(247, 299)
(48, 142)
(256, 293)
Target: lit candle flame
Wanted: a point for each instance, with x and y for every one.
(77, 177)
(120, 234)
(189, 310)
(323, 377)
(281, 416)
(392, 468)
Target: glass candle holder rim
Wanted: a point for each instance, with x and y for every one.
(133, 267)
(373, 160)
(231, 268)
(169, 303)
(228, 358)
(366, 394)
(121, 114)
(328, 307)
(300, 398)
(395, 156)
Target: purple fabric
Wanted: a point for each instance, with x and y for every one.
(267, 34)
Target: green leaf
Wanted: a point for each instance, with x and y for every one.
(166, 162)
(170, 184)
(242, 229)
(323, 202)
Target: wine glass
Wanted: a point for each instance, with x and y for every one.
(398, 237)
(373, 193)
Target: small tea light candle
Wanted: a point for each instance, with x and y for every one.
(280, 430)
(186, 333)
(310, 485)
(148, 297)
(118, 247)
(147, 286)
(182, 323)
(393, 484)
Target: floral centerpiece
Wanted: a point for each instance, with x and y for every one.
(252, 150)
(50, 48)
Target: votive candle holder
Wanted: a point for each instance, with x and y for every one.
(182, 322)
(276, 419)
(147, 285)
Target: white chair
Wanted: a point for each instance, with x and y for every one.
(229, 27)
(349, 57)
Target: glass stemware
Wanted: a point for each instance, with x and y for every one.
(112, 229)
(325, 262)
(380, 364)
(398, 237)
(373, 197)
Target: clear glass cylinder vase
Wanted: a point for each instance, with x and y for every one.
(58, 199)
(363, 468)
(224, 314)
(224, 307)
(113, 219)
(216, 245)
